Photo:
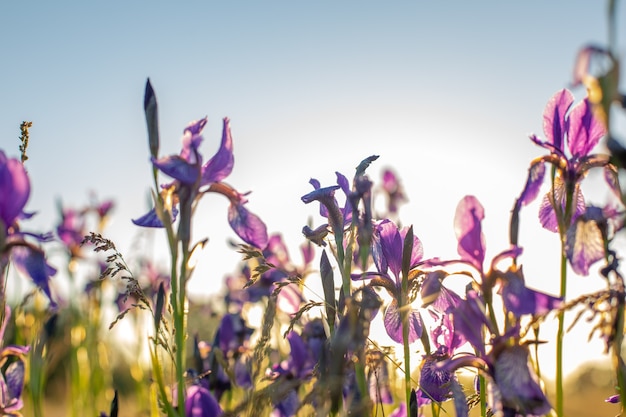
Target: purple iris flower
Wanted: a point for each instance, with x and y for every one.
(387, 248)
(572, 132)
(71, 230)
(471, 247)
(505, 361)
(276, 254)
(15, 190)
(393, 190)
(586, 237)
(306, 349)
(233, 341)
(201, 403)
(12, 378)
(192, 179)
(27, 257)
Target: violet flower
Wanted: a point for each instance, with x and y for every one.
(201, 403)
(571, 132)
(232, 338)
(15, 190)
(12, 378)
(338, 217)
(192, 179)
(518, 298)
(15, 245)
(505, 362)
(305, 352)
(387, 248)
(393, 190)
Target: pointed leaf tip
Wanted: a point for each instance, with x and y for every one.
(152, 118)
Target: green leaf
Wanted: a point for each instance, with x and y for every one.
(328, 284)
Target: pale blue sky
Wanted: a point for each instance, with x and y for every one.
(445, 92)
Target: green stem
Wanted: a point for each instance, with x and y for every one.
(559, 339)
(483, 395)
(404, 314)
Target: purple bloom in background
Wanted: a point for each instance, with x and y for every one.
(306, 349)
(71, 230)
(12, 378)
(201, 403)
(393, 189)
(193, 179)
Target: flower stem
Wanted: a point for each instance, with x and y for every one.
(559, 338)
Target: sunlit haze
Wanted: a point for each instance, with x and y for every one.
(446, 93)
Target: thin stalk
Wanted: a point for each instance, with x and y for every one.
(559, 339)
(564, 217)
(483, 395)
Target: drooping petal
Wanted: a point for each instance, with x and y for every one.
(393, 323)
(32, 262)
(390, 246)
(177, 168)
(248, 226)
(444, 334)
(14, 189)
(298, 356)
(201, 403)
(14, 376)
(554, 117)
(536, 173)
(435, 382)
(468, 319)
(518, 384)
(547, 215)
(520, 300)
(150, 219)
(467, 226)
(584, 130)
(585, 241)
(221, 164)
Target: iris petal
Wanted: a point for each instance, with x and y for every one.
(393, 323)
